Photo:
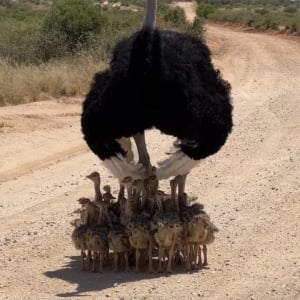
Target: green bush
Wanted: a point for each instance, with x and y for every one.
(203, 10)
(69, 26)
(175, 16)
(196, 28)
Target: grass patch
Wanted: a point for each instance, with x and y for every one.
(27, 83)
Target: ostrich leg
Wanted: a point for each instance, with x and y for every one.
(181, 179)
(144, 157)
(173, 185)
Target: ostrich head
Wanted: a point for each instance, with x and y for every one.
(94, 176)
(83, 201)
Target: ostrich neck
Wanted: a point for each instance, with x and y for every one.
(150, 17)
(98, 195)
(129, 208)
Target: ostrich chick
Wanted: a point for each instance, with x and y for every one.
(140, 238)
(90, 211)
(208, 238)
(138, 226)
(79, 238)
(97, 242)
(167, 233)
(199, 230)
(119, 244)
(96, 179)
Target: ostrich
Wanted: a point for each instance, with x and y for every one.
(157, 79)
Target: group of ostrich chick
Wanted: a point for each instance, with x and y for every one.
(143, 220)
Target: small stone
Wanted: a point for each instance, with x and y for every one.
(252, 298)
(115, 284)
(107, 295)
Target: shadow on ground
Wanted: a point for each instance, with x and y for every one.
(87, 281)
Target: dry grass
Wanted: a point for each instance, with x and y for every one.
(27, 83)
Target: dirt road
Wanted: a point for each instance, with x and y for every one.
(250, 189)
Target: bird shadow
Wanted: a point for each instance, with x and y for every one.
(87, 281)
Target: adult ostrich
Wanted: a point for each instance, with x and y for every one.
(157, 79)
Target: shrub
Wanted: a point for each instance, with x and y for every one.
(69, 26)
(203, 10)
(196, 28)
(175, 16)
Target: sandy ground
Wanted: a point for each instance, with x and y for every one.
(250, 189)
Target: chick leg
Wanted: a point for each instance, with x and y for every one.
(94, 261)
(170, 259)
(199, 257)
(188, 256)
(137, 259)
(126, 261)
(115, 261)
(101, 259)
(205, 255)
(83, 256)
(160, 258)
(150, 250)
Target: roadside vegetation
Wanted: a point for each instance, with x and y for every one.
(280, 15)
(52, 48)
